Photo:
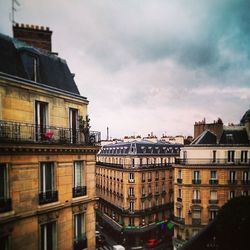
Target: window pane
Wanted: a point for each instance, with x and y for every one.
(2, 181)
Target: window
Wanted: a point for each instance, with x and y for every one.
(214, 156)
(48, 236)
(243, 156)
(47, 183)
(149, 176)
(244, 193)
(142, 190)
(179, 174)
(232, 176)
(131, 206)
(41, 111)
(213, 175)
(73, 124)
(79, 188)
(196, 195)
(143, 177)
(131, 191)
(142, 205)
(156, 175)
(5, 201)
(179, 193)
(80, 241)
(196, 175)
(213, 197)
(149, 189)
(212, 214)
(131, 221)
(230, 156)
(131, 177)
(179, 212)
(196, 214)
(156, 188)
(149, 204)
(30, 63)
(245, 176)
(231, 194)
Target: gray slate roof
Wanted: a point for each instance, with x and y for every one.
(52, 70)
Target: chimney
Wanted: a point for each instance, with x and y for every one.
(34, 35)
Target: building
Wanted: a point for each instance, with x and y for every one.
(134, 183)
(213, 169)
(47, 153)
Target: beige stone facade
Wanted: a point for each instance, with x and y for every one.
(206, 177)
(47, 168)
(134, 183)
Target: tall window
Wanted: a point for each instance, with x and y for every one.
(149, 176)
(131, 177)
(246, 177)
(142, 190)
(213, 195)
(4, 242)
(47, 183)
(131, 191)
(231, 194)
(41, 111)
(5, 201)
(213, 175)
(79, 188)
(142, 205)
(179, 212)
(232, 176)
(212, 214)
(196, 195)
(243, 156)
(214, 155)
(196, 175)
(179, 176)
(30, 63)
(142, 177)
(149, 189)
(48, 236)
(79, 226)
(73, 123)
(179, 193)
(131, 206)
(230, 156)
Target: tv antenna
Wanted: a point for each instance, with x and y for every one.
(15, 4)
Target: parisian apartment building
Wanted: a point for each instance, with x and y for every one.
(213, 169)
(134, 181)
(47, 153)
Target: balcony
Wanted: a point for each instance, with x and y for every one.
(210, 161)
(131, 181)
(179, 220)
(17, 132)
(213, 182)
(48, 197)
(149, 180)
(179, 199)
(5, 205)
(196, 201)
(80, 242)
(156, 178)
(213, 202)
(179, 180)
(232, 182)
(245, 182)
(79, 191)
(131, 196)
(196, 222)
(196, 181)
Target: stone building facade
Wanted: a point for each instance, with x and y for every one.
(47, 156)
(134, 183)
(212, 170)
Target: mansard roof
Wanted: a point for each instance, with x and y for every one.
(51, 69)
(140, 148)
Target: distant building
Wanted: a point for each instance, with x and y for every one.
(47, 154)
(212, 169)
(134, 183)
(179, 139)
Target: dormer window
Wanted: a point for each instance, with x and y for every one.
(30, 63)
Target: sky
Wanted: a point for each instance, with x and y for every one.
(150, 65)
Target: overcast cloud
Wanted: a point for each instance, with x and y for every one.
(150, 65)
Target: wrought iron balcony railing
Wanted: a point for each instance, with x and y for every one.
(213, 181)
(179, 180)
(245, 182)
(179, 220)
(232, 182)
(211, 161)
(196, 221)
(26, 132)
(48, 197)
(196, 181)
(196, 201)
(213, 202)
(80, 242)
(79, 191)
(5, 205)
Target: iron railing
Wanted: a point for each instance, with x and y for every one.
(80, 242)
(5, 205)
(79, 191)
(210, 161)
(26, 132)
(48, 197)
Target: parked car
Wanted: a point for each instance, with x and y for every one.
(152, 243)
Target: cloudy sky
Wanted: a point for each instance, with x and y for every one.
(150, 65)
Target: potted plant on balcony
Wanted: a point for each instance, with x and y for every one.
(84, 128)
